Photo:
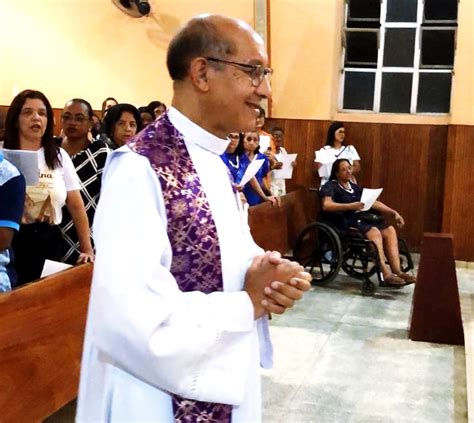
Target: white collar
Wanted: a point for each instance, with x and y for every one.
(195, 134)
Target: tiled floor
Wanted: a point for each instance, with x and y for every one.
(341, 357)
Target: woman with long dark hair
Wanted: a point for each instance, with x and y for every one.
(29, 126)
(336, 148)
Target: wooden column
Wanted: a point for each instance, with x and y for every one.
(436, 311)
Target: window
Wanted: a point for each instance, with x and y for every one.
(358, 89)
(361, 47)
(437, 47)
(398, 55)
(364, 10)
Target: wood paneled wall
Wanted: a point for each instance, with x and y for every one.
(408, 161)
(426, 171)
(459, 191)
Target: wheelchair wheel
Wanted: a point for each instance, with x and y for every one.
(368, 288)
(406, 263)
(318, 248)
(360, 258)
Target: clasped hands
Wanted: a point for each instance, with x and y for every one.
(274, 284)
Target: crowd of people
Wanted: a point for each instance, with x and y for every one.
(53, 219)
(54, 222)
(177, 323)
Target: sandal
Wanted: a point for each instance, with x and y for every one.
(409, 279)
(394, 281)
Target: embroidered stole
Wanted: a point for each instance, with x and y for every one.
(196, 262)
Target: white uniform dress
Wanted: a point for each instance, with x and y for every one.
(278, 185)
(144, 337)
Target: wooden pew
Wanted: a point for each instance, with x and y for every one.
(276, 228)
(42, 324)
(41, 334)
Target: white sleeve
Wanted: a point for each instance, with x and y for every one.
(316, 155)
(354, 155)
(191, 344)
(71, 180)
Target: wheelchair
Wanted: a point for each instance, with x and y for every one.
(323, 250)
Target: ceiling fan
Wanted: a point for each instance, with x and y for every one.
(135, 8)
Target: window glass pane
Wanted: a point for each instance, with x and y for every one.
(359, 90)
(363, 24)
(364, 9)
(437, 47)
(434, 93)
(402, 10)
(361, 47)
(399, 47)
(396, 92)
(441, 10)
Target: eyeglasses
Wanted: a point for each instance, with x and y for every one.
(233, 136)
(257, 73)
(77, 118)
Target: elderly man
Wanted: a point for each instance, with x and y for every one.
(177, 317)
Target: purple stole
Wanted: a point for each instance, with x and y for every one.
(196, 262)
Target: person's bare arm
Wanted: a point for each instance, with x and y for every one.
(330, 205)
(383, 208)
(75, 206)
(6, 237)
(259, 190)
(355, 167)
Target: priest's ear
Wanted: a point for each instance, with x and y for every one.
(199, 73)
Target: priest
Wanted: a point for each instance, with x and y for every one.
(177, 325)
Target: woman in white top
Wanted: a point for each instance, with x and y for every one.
(277, 185)
(334, 149)
(29, 126)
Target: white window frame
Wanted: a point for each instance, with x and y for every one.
(415, 70)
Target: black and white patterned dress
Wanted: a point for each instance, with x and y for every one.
(89, 165)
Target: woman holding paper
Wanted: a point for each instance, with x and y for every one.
(29, 126)
(334, 149)
(342, 195)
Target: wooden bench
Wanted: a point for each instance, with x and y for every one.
(41, 336)
(276, 228)
(42, 324)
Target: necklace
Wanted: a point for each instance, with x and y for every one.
(350, 190)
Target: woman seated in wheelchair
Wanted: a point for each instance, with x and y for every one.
(343, 196)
